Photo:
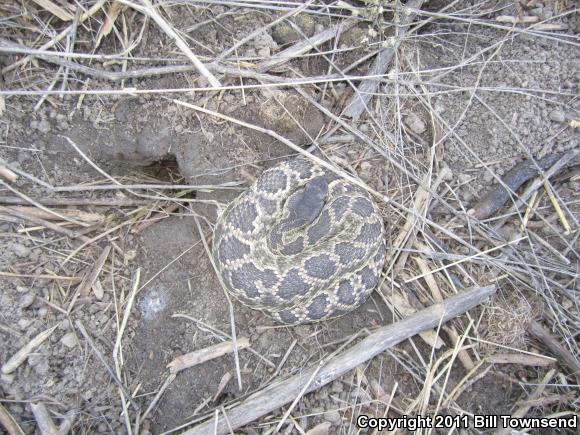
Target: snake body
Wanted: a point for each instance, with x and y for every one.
(301, 244)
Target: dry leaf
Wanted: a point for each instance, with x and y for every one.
(98, 290)
(111, 17)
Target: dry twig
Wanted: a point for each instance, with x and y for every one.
(280, 393)
(200, 356)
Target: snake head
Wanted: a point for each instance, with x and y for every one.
(302, 208)
(306, 203)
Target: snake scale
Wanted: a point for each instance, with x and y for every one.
(301, 244)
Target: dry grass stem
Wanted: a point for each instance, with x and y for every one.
(523, 410)
(9, 423)
(19, 357)
(200, 356)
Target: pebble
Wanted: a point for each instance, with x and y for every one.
(39, 363)
(320, 429)
(446, 170)
(44, 126)
(557, 116)
(69, 340)
(23, 324)
(284, 33)
(333, 417)
(336, 387)
(360, 395)
(17, 409)
(488, 176)
(20, 250)
(26, 300)
(415, 123)
(464, 178)
(250, 52)
(265, 40)
(365, 170)
(35, 255)
(321, 394)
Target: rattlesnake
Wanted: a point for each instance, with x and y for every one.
(301, 244)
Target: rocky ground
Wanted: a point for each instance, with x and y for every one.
(118, 277)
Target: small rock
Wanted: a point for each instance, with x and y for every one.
(415, 123)
(557, 116)
(44, 126)
(333, 417)
(464, 178)
(320, 429)
(250, 52)
(35, 255)
(264, 52)
(336, 387)
(509, 232)
(446, 171)
(439, 107)
(321, 395)
(16, 409)
(98, 290)
(22, 289)
(23, 324)
(69, 340)
(39, 363)
(365, 170)
(488, 176)
(26, 300)
(20, 250)
(265, 40)
(285, 33)
(467, 196)
(359, 395)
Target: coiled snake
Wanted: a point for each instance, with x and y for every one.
(301, 244)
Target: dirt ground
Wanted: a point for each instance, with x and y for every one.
(118, 273)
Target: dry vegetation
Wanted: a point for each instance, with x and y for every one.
(427, 105)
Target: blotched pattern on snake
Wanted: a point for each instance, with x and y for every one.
(301, 244)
